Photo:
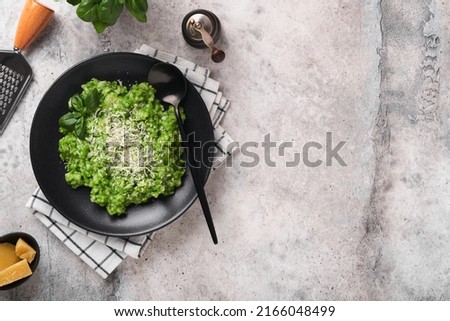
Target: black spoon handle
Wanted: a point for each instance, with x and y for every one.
(195, 172)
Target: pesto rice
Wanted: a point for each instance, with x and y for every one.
(122, 143)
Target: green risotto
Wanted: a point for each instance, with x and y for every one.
(122, 143)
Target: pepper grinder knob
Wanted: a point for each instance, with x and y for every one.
(201, 28)
(217, 55)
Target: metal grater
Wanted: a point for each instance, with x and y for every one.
(15, 72)
(15, 76)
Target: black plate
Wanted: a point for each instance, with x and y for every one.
(49, 170)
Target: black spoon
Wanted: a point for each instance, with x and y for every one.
(170, 86)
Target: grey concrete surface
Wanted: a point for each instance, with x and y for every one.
(375, 74)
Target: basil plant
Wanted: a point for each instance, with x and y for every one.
(104, 13)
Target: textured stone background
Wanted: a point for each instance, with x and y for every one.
(374, 73)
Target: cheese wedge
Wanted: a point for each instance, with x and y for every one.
(7, 255)
(25, 251)
(15, 272)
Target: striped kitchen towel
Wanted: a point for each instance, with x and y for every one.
(101, 253)
(104, 253)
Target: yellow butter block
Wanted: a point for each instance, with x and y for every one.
(15, 272)
(7, 255)
(25, 251)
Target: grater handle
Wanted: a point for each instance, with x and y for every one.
(33, 20)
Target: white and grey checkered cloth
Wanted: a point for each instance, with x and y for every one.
(105, 253)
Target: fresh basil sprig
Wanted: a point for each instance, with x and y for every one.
(80, 108)
(138, 8)
(104, 13)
